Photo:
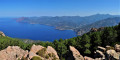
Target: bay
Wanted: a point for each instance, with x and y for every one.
(33, 31)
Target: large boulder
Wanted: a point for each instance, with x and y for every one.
(44, 53)
(1, 33)
(36, 48)
(76, 54)
(52, 50)
(99, 54)
(112, 55)
(102, 49)
(88, 58)
(13, 53)
(117, 48)
(31, 55)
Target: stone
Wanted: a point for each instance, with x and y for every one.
(36, 48)
(117, 48)
(13, 53)
(1, 33)
(52, 50)
(49, 49)
(76, 54)
(102, 49)
(88, 58)
(111, 54)
(99, 54)
(31, 54)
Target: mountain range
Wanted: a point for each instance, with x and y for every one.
(102, 23)
(79, 24)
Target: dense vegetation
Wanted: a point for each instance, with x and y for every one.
(8, 41)
(86, 43)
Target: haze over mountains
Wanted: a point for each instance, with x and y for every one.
(79, 24)
(101, 23)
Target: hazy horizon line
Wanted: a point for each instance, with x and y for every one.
(58, 15)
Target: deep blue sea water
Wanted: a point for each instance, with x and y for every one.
(33, 31)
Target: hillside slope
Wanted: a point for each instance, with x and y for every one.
(102, 23)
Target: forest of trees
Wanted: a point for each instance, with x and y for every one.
(86, 43)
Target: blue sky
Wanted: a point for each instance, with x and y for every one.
(19, 8)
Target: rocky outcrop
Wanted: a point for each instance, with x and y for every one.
(1, 33)
(117, 48)
(108, 53)
(76, 54)
(32, 54)
(48, 53)
(112, 55)
(52, 50)
(102, 49)
(99, 54)
(88, 58)
(36, 48)
(13, 53)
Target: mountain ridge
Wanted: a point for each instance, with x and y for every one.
(102, 23)
(67, 22)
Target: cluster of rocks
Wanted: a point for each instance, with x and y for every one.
(76, 54)
(49, 53)
(107, 53)
(16, 53)
(1, 33)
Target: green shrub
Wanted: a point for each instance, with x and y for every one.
(54, 58)
(108, 48)
(18, 58)
(36, 58)
(53, 55)
(42, 52)
(50, 54)
(47, 56)
(23, 58)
